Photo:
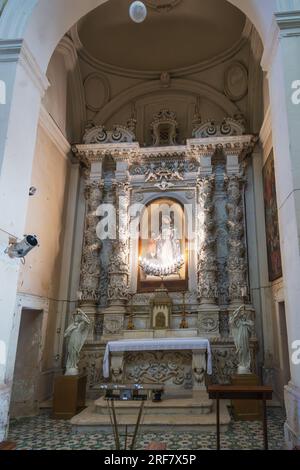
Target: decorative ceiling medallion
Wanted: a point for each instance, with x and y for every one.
(162, 5)
(236, 81)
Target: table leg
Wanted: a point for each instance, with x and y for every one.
(265, 424)
(137, 425)
(218, 423)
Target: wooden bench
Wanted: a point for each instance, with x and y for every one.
(241, 392)
(7, 445)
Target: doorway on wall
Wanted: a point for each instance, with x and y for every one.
(24, 401)
(284, 345)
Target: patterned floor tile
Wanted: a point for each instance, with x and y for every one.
(43, 432)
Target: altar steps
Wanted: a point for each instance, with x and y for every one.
(171, 406)
(171, 414)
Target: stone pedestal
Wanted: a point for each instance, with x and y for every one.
(69, 395)
(246, 410)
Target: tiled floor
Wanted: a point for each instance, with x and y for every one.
(43, 432)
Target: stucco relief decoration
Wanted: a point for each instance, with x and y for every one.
(100, 135)
(236, 262)
(228, 127)
(236, 81)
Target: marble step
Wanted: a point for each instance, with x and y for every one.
(91, 421)
(171, 406)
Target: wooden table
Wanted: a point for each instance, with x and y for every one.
(241, 392)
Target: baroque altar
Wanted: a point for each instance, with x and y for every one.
(178, 220)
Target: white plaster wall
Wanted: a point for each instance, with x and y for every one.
(55, 99)
(40, 276)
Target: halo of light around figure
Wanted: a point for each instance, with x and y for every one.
(138, 12)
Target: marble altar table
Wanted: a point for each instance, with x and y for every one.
(113, 361)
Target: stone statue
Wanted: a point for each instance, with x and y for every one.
(77, 333)
(241, 331)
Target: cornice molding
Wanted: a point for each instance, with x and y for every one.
(146, 75)
(16, 50)
(240, 145)
(288, 22)
(284, 24)
(53, 132)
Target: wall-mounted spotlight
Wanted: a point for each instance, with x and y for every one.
(20, 249)
(138, 12)
(32, 190)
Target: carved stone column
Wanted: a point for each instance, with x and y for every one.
(237, 262)
(90, 262)
(118, 289)
(207, 263)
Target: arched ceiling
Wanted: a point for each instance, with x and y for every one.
(189, 33)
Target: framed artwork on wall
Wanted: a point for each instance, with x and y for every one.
(271, 217)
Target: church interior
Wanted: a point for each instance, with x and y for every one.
(155, 273)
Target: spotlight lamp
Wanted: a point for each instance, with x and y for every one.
(138, 12)
(20, 249)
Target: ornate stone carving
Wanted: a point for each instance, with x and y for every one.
(225, 361)
(168, 169)
(208, 323)
(164, 128)
(172, 368)
(236, 262)
(207, 267)
(113, 324)
(224, 365)
(198, 370)
(100, 135)
(91, 364)
(119, 259)
(224, 324)
(90, 262)
(228, 127)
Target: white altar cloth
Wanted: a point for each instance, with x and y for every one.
(161, 344)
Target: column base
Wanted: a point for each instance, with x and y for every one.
(292, 424)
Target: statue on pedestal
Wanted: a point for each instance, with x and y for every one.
(241, 328)
(77, 333)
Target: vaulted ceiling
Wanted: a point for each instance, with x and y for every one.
(190, 32)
